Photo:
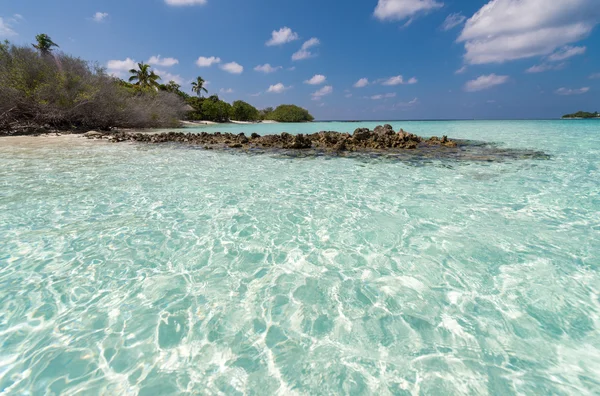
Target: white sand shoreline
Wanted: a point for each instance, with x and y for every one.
(203, 122)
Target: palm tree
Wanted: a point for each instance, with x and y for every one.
(144, 77)
(198, 86)
(44, 44)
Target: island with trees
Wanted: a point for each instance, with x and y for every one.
(42, 89)
(581, 115)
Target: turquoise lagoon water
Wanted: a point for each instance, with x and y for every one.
(158, 270)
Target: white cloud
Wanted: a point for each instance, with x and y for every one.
(207, 62)
(348, 95)
(256, 94)
(233, 68)
(304, 52)
(282, 36)
(6, 29)
(568, 91)
(461, 70)
(121, 65)
(397, 80)
(317, 79)
(363, 82)
(164, 62)
(267, 68)
(383, 96)
(402, 9)
(505, 30)
(594, 76)
(406, 105)
(277, 88)
(566, 53)
(326, 90)
(100, 16)
(485, 82)
(165, 77)
(226, 91)
(453, 20)
(545, 67)
(185, 2)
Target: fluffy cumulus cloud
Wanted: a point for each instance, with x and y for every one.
(326, 90)
(390, 10)
(282, 36)
(317, 79)
(398, 80)
(164, 62)
(100, 16)
(505, 30)
(277, 88)
(453, 20)
(120, 68)
(121, 65)
(267, 68)
(363, 82)
(6, 29)
(304, 52)
(207, 62)
(166, 77)
(233, 68)
(569, 91)
(485, 82)
(185, 2)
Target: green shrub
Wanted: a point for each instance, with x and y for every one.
(289, 113)
(47, 89)
(242, 111)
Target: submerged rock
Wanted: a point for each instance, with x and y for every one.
(381, 142)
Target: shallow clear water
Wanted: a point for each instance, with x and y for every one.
(129, 268)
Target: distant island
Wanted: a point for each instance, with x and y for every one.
(45, 90)
(581, 115)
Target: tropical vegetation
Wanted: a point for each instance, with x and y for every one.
(290, 113)
(198, 86)
(143, 77)
(582, 114)
(43, 89)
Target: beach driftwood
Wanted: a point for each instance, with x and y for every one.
(382, 138)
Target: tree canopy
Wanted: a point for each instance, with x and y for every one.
(242, 111)
(582, 114)
(44, 44)
(290, 113)
(144, 78)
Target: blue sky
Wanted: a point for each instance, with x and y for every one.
(417, 59)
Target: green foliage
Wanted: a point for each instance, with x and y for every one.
(289, 113)
(214, 109)
(198, 86)
(44, 44)
(264, 114)
(242, 111)
(64, 92)
(144, 78)
(582, 114)
(175, 88)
